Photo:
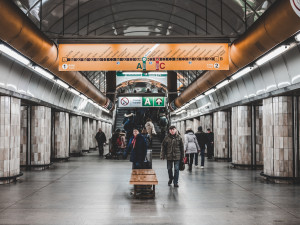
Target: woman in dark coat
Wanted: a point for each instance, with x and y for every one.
(138, 148)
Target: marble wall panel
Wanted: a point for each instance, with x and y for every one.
(75, 134)
(182, 129)
(220, 134)
(61, 135)
(278, 136)
(241, 135)
(259, 135)
(40, 135)
(189, 125)
(23, 135)
(196, 124)
(206, 121)
(85, 134)
(10, 113)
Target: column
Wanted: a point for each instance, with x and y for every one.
(278, 138)
(9, 139)
(182, 129)
(75, 135)
(85, 135)
(206, 122)
(189, 124)
(220, 135)
(178, 126)
(259, 136)
(40, 136)
(94, 130)
(23, 135)
(91, 144)
(196, 124)
(61, 135)
(241, 136)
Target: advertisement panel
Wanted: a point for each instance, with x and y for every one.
(136, 102)
(142, 57)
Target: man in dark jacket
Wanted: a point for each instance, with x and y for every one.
(172, 150)
(202, 141)
(210, 144)
(138, 148)
(101, 139)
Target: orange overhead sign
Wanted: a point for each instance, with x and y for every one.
(141, 57)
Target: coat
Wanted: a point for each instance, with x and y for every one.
(100, 137)
(190, 143)
(172, 147)
(202, 139)
(139, 152)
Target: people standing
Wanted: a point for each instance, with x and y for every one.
(101, 139)
(163, 124)
(150, 129)
(114, 142)
(202, 141)
(191, 146)
(210, 144)
(172, 150)
(138, 149)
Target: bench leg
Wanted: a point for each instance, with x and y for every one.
(134, 190)
(154, 190)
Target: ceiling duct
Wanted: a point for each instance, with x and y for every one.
(276, 25)
(18, 31)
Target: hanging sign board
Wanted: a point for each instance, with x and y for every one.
(142, 57)
(134, 102)
(159, 77)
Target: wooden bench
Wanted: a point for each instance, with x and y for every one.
(144, 181)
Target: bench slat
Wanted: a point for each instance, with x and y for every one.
(142, 171)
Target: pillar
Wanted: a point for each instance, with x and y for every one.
(220, 135)
(111, 85)
(206, 122)
(75, 135)
(23, 135)
(259, 136)
(94, 132)
(182, 128)
(278, 138)
(40, 136)
(189, 124)
(196, 124)
(85, 134)
(241, 136)
(172, 85)
(61, 135)
(9, 139)
(178, 126)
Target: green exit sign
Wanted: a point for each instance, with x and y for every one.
(153, 101)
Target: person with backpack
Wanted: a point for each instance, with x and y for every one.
(191, 146)
(101, 139)
(163, 124)
(202, 141)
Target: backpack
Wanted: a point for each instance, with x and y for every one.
(119, 141)
(163, 122)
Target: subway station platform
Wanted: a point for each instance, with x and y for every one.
(93, 190)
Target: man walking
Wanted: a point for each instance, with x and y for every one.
(172, 150)
(101, 139)
(202, 141)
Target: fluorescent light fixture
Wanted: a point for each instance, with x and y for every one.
(272, 54)
(74, 91)
(43, 72)
(180, 112)
(136, 73)
(83, 97)
(210, 91)
(242, 72)
(222, 84)
(63, 84)
(157, 73)
(297, 37)
(90, 101)
(199, 97)
(10, 52)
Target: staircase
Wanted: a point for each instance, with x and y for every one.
(156, 143)
(119, 118)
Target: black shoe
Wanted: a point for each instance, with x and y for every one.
(170, 182)
(176, 185)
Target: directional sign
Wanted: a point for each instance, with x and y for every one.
(135, 102)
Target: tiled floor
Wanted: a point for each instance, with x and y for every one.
(92, 190)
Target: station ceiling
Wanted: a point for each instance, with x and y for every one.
(140, 18)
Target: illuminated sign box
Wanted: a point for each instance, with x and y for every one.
(134, 102)
(142, 57)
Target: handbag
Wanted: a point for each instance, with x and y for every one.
(146, 164)
(181, 165)
(185, 160)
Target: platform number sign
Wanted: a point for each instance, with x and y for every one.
(153, 102)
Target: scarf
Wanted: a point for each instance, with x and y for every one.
(133, 142)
